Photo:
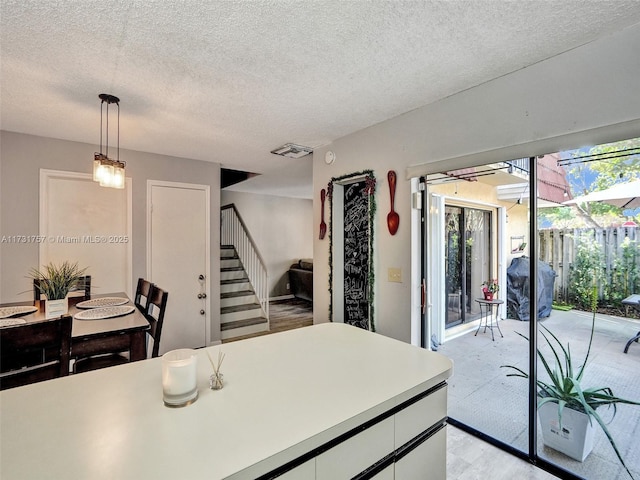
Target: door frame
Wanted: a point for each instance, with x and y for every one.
(336, 246)
(45, 176)
(207, 191)
(435, 255)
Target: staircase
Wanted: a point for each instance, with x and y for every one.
(240, 311)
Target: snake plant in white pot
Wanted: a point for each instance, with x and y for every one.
(566, 409)
(55, 282)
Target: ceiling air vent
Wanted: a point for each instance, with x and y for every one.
(292, 150)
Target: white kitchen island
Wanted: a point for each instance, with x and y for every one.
(328, 401)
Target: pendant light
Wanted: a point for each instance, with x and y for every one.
(106, 171)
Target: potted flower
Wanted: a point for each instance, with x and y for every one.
(566, 409)
(55, 282)
(490, 288)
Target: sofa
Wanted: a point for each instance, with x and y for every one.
(301, 279)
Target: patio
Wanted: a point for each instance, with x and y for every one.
(482, 396)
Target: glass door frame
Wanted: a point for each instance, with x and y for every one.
(531, 455)
(465, 284)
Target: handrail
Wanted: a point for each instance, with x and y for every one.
(521, 164)
(233, 231)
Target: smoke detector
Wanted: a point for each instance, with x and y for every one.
(292, 150)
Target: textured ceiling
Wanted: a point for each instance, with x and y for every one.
(230, 81)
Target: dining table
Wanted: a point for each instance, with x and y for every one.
(100, 335)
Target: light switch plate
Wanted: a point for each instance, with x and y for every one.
(395, 275)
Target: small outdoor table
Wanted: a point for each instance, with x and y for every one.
(486, 313)
(632, 301)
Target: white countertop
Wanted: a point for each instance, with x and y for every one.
(284, 395)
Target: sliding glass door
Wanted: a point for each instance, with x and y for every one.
(467, 261)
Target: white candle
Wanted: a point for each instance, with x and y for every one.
(179, 383)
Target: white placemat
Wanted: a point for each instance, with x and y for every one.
(7, 322)
(6, 312)
(104, 312)
(102, 302)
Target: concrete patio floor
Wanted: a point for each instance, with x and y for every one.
(483, 397)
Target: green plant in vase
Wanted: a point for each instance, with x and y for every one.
(56, 281)
(490, 288)
(565, 390)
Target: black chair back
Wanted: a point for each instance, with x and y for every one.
(155, 316)
(33, 352)
(143, 295)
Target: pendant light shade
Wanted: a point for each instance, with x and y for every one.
(106, 171)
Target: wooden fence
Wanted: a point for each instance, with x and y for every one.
(558, 248)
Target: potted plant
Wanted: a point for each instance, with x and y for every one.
(566, 409)
(55, 282)
(490, 288)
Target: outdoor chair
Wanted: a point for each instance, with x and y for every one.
(632, 301)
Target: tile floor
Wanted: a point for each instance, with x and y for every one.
(469, 458)
(482, 396)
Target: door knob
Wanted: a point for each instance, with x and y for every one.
(202, 295)
(201, 277)
(202, 312)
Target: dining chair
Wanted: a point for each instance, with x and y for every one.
(84, 285)
(143, 293)
(155, 316)
(35, 351)
(154, 313)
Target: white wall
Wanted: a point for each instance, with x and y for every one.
(588, 95)
(22, 157)
(282, 229)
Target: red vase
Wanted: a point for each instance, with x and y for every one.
(488, 295)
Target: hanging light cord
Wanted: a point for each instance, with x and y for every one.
(118, 154)
(107, 146)
(109, 99)
(101, 103)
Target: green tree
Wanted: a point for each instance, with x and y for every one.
(612, 163)
(587, 270)
(625, 275)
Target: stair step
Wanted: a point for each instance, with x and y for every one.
(236, 285)
(240, 314)
(242, 297)
(232, 269)
(228, 252)
(243, 323)
(234, 280)
(231, 313)
(239, 293)
(239, 274)
(230, 262)
(239, 308)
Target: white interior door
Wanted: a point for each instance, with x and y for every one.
(178, 239)
(80, 221)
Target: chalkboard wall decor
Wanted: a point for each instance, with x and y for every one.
(359, 212)
(356, 255)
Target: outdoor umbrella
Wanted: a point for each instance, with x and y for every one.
(623, 195)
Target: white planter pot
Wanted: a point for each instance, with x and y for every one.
(55, 308)
(574, 439)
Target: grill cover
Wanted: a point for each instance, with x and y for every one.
(518, 289)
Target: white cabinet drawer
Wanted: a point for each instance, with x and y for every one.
(306, 471)
(386, 474)
(357, 453)
(428, 461)
(419, 416)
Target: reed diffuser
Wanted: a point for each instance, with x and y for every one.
(215, 380)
